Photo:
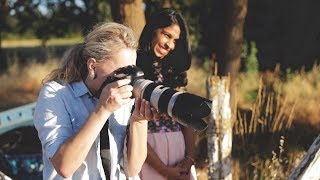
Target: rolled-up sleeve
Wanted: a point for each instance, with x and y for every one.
(51, 119)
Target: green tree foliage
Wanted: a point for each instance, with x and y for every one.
(51, 18)
(251, 60)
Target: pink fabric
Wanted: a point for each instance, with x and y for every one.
(170, 148)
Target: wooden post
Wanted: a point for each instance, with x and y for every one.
(309, 167)
(219, 129)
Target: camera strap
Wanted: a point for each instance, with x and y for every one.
(104, 137)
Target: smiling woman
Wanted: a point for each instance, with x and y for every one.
(165, 56)
(165, 40)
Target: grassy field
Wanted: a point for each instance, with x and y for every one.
(281, 107)
(36, 42)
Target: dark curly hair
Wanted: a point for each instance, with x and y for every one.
(171, 70)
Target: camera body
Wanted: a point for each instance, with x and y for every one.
(187, 109)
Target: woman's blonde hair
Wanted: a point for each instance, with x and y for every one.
(102, 42)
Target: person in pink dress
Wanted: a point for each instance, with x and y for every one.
(164, 55)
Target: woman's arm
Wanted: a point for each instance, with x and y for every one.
(189, 139)
(72, 152)
(137, 145)
(137, 149)
(155, 162)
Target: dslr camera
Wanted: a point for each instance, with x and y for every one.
(185, 108)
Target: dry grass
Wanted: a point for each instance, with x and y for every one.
(36, 42)
(299, 89)
(304, 88)
(269, 113)
(197, 80)
(21, 84)
(255, 135)
(278, 167)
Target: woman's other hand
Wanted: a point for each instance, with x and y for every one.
(175, 173)
(144, 111)
(185, 163)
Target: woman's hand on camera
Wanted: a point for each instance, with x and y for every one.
(144, 111)
(115, 94)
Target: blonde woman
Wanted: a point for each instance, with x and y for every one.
(69, 114)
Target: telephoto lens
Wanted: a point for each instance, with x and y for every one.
(187, 109)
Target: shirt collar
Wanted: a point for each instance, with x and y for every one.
(79, 89)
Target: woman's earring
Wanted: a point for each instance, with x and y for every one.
(93, 76)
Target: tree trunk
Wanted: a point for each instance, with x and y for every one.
(230, 57)
(130, 13)
(219, 133)
(115, 11)
(228, 53)
(234, 44)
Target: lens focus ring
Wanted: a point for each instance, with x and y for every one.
(139, 87)
(155, 96)
(171, 103)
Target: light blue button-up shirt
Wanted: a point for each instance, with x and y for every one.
(60, 112)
